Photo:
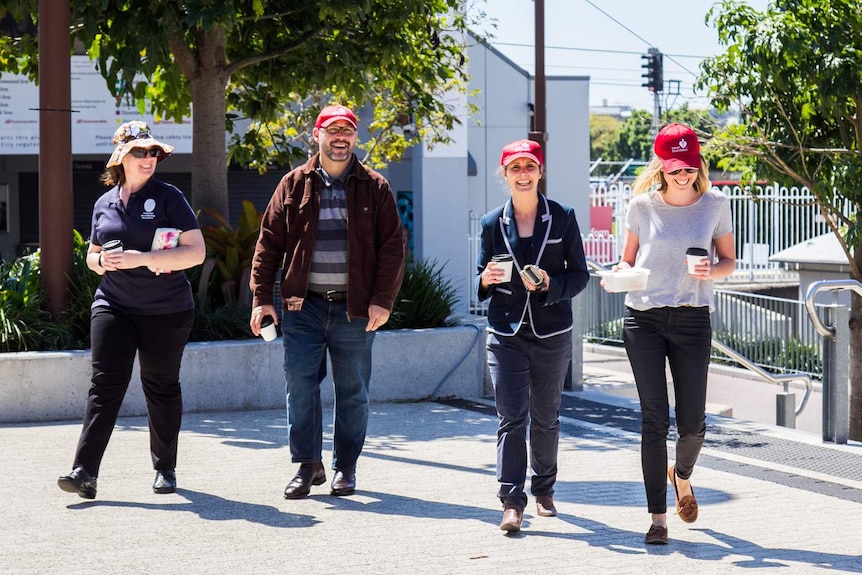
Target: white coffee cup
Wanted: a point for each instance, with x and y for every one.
(267, 329)
(694, 257)
(504, 262)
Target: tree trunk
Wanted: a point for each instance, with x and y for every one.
(209, 157)
(205, 69)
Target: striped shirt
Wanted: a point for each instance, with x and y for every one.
(329, 261)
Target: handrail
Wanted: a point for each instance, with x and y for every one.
(595, 266)
(827, 285)
(780, 379)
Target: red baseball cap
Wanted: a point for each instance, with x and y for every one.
(521, 149)
(677, 146)
(331, 114)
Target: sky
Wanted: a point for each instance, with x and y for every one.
(604, 39)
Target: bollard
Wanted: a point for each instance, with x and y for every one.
(836, 377)
(785, 409)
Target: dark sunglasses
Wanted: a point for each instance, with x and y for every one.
(686, 170)
(144, 152)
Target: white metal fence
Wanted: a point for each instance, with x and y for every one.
(766, 222)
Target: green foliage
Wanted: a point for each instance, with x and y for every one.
(225, 274)
(604, 134)
(426, 300)
(23, 324)
(795, 73)
(775, 353)
(222, 323)
(274, 63)
(82, 286)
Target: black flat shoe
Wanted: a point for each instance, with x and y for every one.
(166, 481)
(80, 482)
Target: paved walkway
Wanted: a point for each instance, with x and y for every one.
(772, 500)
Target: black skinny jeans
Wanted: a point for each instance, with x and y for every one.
(159, 341)
(683, 337)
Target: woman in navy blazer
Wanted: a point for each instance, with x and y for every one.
(529, 340)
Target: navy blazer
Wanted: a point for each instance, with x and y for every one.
(559, 251)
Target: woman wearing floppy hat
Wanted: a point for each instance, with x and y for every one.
(673, 209)
(531, 264)
(142, 306)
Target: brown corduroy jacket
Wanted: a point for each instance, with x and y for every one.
(288, 230)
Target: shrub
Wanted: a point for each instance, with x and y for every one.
(427, 297)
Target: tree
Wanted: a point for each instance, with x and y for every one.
(261, 60)
(604, 132)
(795, 73)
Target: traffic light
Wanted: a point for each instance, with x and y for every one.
(654, 76)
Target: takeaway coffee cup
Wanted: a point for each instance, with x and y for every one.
(694, 256)
(112, 246)
(267, 329)
(504, 262)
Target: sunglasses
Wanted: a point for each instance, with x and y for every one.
(686, 170)
(144, 152)
(343, 130)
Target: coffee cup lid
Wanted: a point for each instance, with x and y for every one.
(696, 252)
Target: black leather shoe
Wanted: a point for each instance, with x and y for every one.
(80, 482)
(344, 483)
(166, 481)
(309, 474)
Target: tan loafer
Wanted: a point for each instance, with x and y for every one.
(686, 507)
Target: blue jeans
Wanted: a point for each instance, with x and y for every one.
(528, 374)
(682, 336)
(320, 326)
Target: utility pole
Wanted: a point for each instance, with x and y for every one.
(539, 126)
(55, 154)
(654, 82)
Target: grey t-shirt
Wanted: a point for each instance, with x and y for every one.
(664, 233)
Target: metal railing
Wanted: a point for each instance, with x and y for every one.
(836, 358)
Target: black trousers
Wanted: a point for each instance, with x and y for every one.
(682, 336)
(159, 341)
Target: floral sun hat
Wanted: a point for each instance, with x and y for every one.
(135, 134)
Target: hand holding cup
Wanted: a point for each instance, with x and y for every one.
(695, 257)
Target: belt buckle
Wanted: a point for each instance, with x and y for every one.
(329, 295)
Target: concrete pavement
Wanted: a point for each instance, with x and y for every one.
(771, 499)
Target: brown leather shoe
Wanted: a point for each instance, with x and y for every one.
(657, 535)
(687, 506)
(344, 483)
(512, 517)
(309, 474)
(545, 506)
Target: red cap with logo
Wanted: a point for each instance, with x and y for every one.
(521, 149)
(331, 114)
(677, 146)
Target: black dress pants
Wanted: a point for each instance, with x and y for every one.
(159, 341)
(682, 337)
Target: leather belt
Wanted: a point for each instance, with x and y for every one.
(329, 295)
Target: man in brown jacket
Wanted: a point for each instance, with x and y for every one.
(333, 228)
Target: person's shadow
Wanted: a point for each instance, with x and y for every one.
(214, 508)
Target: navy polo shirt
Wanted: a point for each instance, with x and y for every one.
(140, 291)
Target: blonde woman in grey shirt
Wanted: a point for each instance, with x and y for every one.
(673, 209)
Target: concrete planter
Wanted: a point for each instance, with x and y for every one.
(239, 375)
